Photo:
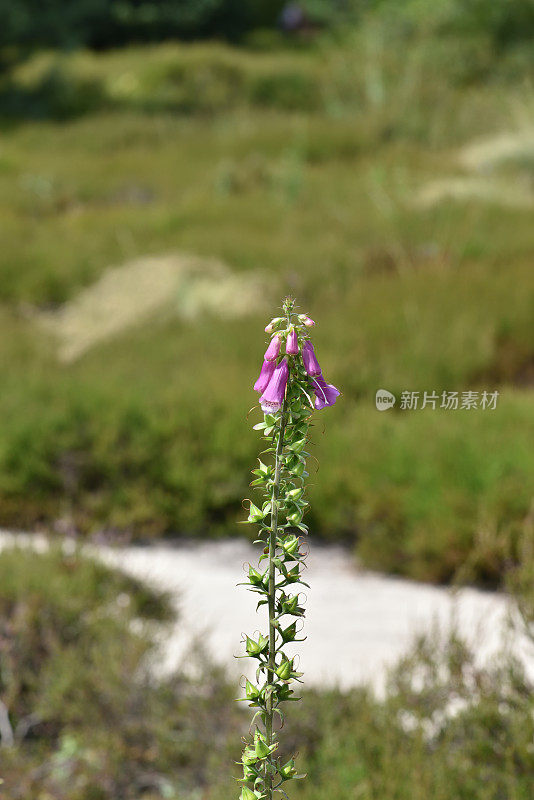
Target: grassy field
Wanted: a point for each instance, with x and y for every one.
(89, 721)
(388, 185)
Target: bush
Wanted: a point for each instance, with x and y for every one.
(286, 90)
(505, 22)
(59, 94)
(89, 721)
(98, 23)
(446, 729)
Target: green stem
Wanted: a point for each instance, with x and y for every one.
(272, 597)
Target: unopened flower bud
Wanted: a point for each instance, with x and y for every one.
(273, 324)
(292, 343)
(296, 494)
(306, 320)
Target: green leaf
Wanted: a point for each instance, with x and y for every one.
(285, 692)
(298, 446)
(251, 691)
(289, 605)
(255, 514)
(263, 470)
(293, 574)
(254, 576)
(249, 773)
(289, 633)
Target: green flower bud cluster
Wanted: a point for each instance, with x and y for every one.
(277, 579)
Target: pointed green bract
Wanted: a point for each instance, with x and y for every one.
(247, 794)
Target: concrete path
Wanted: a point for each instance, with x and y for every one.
(357, 622)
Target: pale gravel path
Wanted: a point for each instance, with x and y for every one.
(357, 622)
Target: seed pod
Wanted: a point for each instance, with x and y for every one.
(288, 770)
(251, 691)
(261, 748)
(284, 670)
(249, 756)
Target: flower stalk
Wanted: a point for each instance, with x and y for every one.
(288, 389)
(273, 533)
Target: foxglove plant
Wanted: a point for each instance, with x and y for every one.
(290, 386)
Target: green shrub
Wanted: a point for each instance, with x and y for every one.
(62, 95)
(97, 23)
(324, 202)
(286, 90)
(89, 720)
(507, 22)
(447, 729)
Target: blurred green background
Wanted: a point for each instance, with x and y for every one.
(168, 171)
(377, 163)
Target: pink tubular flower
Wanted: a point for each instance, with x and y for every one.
(266, 373)
(292, 343)
(306, 320)
(273, 396)
(326, 394)
(311, 365)
(274, 348)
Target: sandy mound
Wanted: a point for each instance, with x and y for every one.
(134, 292)
(485, 155)
(487, 190)
(485, 160)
